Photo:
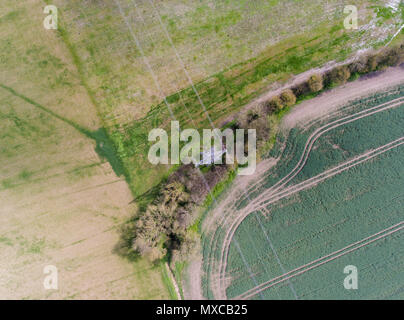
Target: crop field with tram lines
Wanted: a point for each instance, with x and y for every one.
(290, 235)
(77, 104)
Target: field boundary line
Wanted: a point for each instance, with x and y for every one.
(155, 79)
(303, 159)
(327, 176)
(320, 131)
(401, 141)
(171, 276)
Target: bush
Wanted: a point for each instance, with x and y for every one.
(174, 194)
(339, 75)
(371, 63)
(301, 89)
(359, 65)
(288, 98)
(390, 57)
(154, 229)
(315, 83)
(274, 104)
(163, 224)
(258, 111)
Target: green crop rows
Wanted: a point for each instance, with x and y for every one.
(335, 213)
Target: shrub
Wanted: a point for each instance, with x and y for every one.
(371, 63)
(258, 111)
(173, 194)
(359, 65)
(154, 229)
(390, 57)
(261, 126)
(301, 89)
(288, 98)
(274, 104)
(339, 75)
(190, 177)
(315, 83)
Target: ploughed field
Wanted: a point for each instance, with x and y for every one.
(334, 198)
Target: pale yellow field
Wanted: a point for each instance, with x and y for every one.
(60, 203)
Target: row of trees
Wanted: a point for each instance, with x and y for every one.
(257, 117)
(337, 76)
(162, 227)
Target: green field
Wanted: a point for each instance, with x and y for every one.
(334, 213)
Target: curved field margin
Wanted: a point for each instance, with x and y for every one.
(249, 209)
(312, 182)
(230, 222)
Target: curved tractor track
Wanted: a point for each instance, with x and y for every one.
(315, 180)
(319, 262)
(275, 192)
(256, 184)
